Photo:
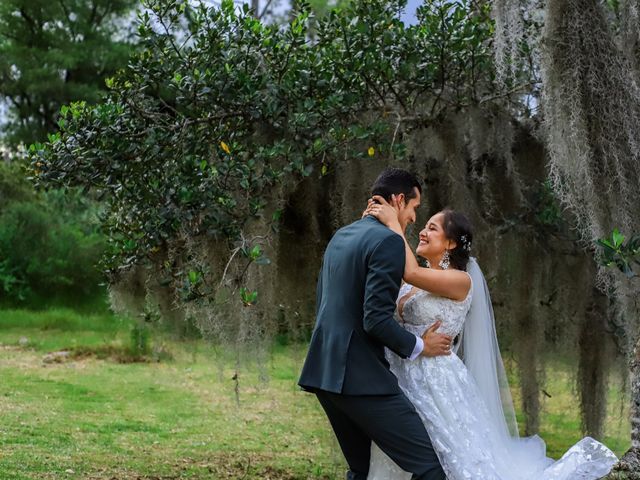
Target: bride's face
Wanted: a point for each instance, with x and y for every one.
(433, 241)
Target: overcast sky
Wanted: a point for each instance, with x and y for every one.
(409, 16)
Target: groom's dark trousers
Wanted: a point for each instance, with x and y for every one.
(346, 366)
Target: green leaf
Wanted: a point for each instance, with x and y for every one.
(604, 242)
(618, 238)
(228, 7)
(194, 276)
(248, 297)
(255, 252)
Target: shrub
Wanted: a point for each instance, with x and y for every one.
(49, 244)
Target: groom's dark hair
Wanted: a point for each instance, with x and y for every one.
(394, 181)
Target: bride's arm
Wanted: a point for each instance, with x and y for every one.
(452, 283)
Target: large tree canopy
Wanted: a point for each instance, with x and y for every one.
(55, 52)
(218, 109)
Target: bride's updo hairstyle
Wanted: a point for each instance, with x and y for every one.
(457, 227)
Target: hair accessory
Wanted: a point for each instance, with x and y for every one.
(466, 244)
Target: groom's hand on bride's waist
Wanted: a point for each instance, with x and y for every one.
(435, 343)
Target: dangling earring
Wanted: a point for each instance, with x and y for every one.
(444, 261)
(427, 263)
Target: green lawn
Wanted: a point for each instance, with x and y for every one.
(99, 419)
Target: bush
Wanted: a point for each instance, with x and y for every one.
(49, 245)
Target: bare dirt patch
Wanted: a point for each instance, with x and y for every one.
(220, 466)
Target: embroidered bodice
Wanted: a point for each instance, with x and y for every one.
(423, 309)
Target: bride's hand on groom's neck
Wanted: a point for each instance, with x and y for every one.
(385, 212)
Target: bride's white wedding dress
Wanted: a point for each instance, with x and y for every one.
(462, 428)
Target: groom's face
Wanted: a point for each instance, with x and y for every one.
(407, 209)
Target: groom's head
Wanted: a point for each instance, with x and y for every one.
(403, 187)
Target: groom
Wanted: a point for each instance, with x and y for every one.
(346, 366)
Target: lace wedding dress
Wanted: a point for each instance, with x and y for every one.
(460, 424)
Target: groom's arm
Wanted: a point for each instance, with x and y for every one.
(385, 269)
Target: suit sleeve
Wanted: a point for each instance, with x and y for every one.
(385, 270)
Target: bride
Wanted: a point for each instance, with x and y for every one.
(466, 407)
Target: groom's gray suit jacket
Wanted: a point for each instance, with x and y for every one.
(357, 290)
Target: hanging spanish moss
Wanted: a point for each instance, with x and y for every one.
(516, 38)
(223, 300)
(591, 112)
(200, 287)
(629, 37)
(509, 32)
(591, 106)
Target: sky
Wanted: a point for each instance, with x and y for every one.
(409, 16)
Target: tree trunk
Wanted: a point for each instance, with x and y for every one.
(635, 398)
(529, 382)
(593, 367)
(629, 466)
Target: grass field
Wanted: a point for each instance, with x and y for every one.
(90, 418)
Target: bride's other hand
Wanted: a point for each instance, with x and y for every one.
(384, 212)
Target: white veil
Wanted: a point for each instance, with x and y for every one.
(481, 355)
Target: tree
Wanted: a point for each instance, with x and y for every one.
(49, 242)
(53, 53)
(219, 116)
(591, 105)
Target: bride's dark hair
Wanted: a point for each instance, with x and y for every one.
(457, 227)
